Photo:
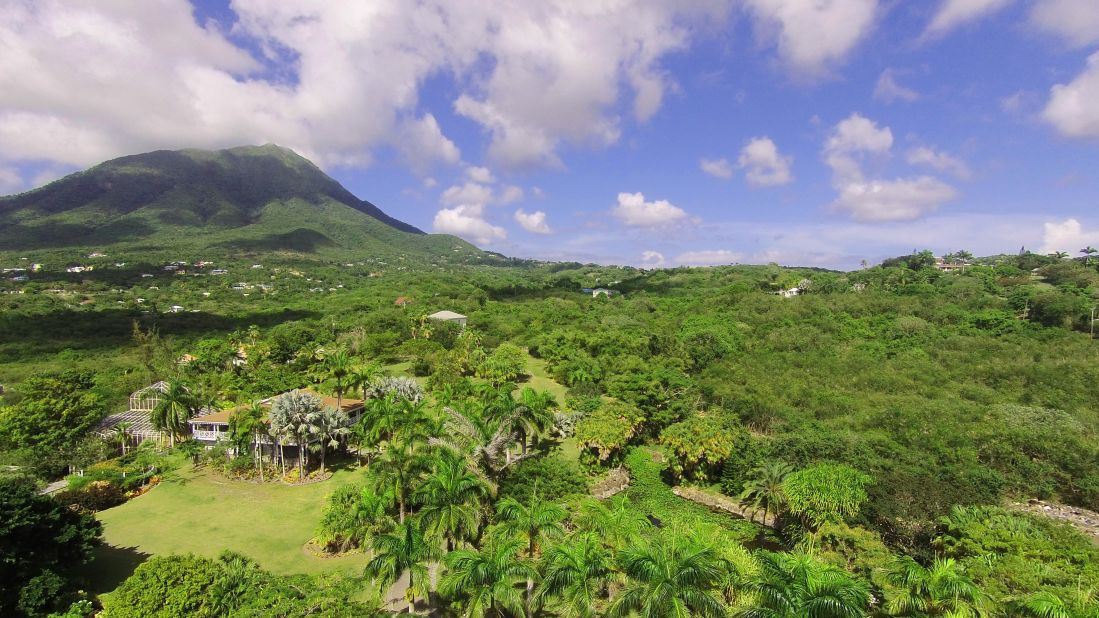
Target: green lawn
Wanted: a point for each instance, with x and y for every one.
(200, 512)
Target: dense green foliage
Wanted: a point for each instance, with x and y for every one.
(43, 544)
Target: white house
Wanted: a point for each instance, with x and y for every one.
(449, 316)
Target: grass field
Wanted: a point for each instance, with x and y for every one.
(200, 512)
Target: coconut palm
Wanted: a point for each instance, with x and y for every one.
(399, 469)
(615, 522)
(338, 366)
(941, 590)
(120, 434)
(487, 579)
(535, 522)
(176, 406)
(1088, 251)
(533, 414)
(796, 585)
(330, 426)
(1058, 255)
(481, 438)
(763, 489)
(451, 499)
(670, 576)
(362, 376)
(406, 549)
(575, 575)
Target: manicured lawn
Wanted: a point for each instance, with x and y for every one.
(203, 513)
(540, 379)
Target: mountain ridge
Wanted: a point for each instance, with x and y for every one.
(247, 197)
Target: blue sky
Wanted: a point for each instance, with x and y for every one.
(807, 132)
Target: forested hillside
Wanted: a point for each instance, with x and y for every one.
(875, 427)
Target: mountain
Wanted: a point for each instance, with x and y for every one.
(251, 198)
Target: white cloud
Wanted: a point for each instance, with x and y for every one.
(534, 222)
(652, 259)
(468, 193)
(876, 200)
(888, 90)
(1074, 21)
(430, 183)
(335, 81)
(1072, 107)
(940, 161)
(10, 181)
(765, 166)
(902, 199)
(718, 168)
(420, 142)
(708, 257)
(467, 221)
(954, 13)
(480, 174)
(851, 138)
(510, 194)
(812, 37)
(1068, 236)
(634, 211)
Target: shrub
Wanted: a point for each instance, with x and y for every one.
(553, 478)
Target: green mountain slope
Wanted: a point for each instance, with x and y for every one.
(252, 199)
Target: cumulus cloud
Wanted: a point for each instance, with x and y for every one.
(954, 13)
(1072, 107)
(718, 168)
(652, 259)
(940, 161)
(1074, 21)
(1068, 236)
(534, 222)
(467, 221)
(634, 211)
(813, 37)
(482, 175)
(468, 193)
(875, 200)
(510, 194)
(887, 90)
(764, 166)
(712, 257)
(334, 81)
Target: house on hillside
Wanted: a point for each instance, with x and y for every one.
(595, 292)
(950, 266)
(209, 429)
(449, 316)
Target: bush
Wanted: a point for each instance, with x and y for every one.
(553, 478)
(94, 496)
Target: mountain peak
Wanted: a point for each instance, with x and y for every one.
(209, 192)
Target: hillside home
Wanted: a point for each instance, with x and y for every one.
(449, 316)
(209, 429)
(138, 416)
(950, 266)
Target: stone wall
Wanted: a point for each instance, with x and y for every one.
(616, 482)
(720, 502)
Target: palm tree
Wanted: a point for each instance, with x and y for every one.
(1059, 255)
(295, 415)
(942, 590)
(330, 426)
(796, 585)
(451, 499)
(1088, 251)
(383, 417)
(338, 366)
(120, 434)
(670, 576)
(245, 427)
(1083, 603)
(575, 574)
(407, 548)
(482, 439)
(763, 490)
(362, 376)
(176, 406)
(533, 414)
(616, 522)
(535, 522)
(399, 469)
(488, 578)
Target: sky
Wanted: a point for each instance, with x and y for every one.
(651, 133)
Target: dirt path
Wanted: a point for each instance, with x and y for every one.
(1083, 520)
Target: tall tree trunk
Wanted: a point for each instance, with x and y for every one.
(322, 459)
(411, 595)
